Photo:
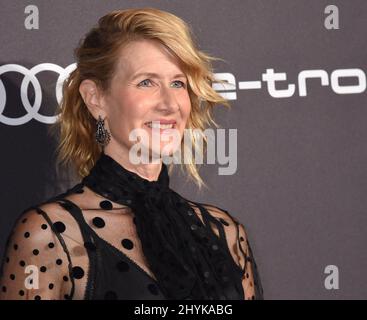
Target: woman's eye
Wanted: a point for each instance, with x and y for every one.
(183, 85)
(146, 82)
(142, 83)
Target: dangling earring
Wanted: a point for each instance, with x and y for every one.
(103, 137)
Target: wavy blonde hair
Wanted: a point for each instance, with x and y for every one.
(96, 56)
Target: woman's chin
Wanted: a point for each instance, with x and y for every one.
(165, 151)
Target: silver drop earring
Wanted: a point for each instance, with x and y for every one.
(103, 137)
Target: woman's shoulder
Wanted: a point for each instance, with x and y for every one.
(36, 243)
(56, 207)
(63, 213)
(41, 221)
(51, 209)
(38, 223)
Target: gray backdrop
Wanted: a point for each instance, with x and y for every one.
(301, 180)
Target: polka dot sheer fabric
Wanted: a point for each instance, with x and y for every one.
(99, 240)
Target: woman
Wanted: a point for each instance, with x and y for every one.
(122, 233)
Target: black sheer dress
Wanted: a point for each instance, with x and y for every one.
(116, 235)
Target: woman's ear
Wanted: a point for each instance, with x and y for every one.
(92, 98)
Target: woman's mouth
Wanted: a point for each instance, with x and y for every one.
(163, 127)
(158, 125)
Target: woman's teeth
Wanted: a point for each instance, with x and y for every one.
(159, 126)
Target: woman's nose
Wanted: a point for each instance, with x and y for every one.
(168, 99)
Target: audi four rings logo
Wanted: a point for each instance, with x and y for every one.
(30, 77)
(228, 90)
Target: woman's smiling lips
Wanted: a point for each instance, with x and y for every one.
(162, 124)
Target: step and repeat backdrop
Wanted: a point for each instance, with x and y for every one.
(296, 73)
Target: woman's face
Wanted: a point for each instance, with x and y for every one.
(148, 85)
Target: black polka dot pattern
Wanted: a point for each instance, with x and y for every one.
(106, 205)
(127, 244)
(98, 222)
(75, 252)
(77, 272)
(59, 226)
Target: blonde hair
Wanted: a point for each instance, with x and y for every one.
(96, 57)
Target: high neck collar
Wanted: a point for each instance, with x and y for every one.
(175, 242)
(108, 163)
(110, 179)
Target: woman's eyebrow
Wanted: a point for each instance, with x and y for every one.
(156, 75)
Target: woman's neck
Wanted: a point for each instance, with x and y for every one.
(149, 171)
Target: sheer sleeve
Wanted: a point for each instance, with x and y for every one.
(251, 283)
(35, 264)
(241, 252)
